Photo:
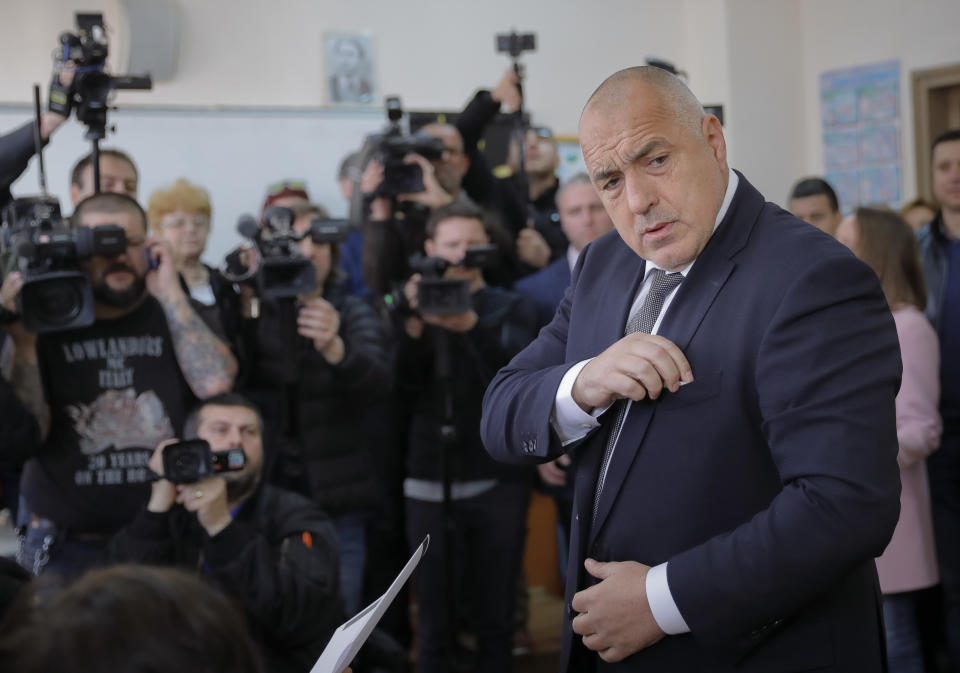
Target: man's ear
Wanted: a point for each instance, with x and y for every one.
(713, 135)
(429, 247)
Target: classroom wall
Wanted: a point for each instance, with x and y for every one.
(844, 33)
(760, 58)
(434, 53)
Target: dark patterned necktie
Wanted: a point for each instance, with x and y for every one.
(661, 285)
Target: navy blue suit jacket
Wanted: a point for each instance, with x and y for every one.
(546, 288)
(770, 482)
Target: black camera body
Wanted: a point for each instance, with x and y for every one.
(275, 267)
(193, 460)
(56, 293)
(437, 295)
(325, 230)
(514, 43)
(394, 145)
(92, 86)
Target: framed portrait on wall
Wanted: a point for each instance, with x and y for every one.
(349, 69)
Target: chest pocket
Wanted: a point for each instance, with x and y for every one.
(704, 387)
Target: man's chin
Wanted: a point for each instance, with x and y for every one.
(119, 297)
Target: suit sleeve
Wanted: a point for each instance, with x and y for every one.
(517, 406)
(827, 372)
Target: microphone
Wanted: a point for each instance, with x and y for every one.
(247, 226)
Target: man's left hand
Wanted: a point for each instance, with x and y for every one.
(615, 618)
(462, 322)
(208, 498)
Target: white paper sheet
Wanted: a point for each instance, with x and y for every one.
(352, 634)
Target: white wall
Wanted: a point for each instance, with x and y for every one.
(767, 98)
(434, 53)
(760, 58)
(843, 33)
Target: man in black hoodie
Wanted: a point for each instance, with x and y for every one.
(272, 550)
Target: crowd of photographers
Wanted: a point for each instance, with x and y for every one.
(291, 423)
(285, 428)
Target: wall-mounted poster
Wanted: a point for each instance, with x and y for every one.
(349, 69)
(860, 109)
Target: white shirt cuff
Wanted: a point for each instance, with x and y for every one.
(569, 421)
(662, 605)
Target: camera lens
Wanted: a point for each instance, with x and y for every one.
(54, 302)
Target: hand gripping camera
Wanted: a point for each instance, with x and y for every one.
(437, 295)
(56, 294)
(275, 263)
(193, 460)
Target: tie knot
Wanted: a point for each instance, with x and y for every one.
(663, 282)
(661, 285)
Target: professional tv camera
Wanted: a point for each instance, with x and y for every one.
(35, 240)
(391, 146)
(91, 86)
(274, 263)
(193, 460)
(437, 295)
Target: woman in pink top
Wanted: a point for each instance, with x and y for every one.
(885, 241)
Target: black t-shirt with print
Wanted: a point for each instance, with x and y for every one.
(115, 391)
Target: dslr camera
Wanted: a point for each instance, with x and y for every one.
(391, 146)
(437, 295)
(193, 460)
(35, 239)
(91, 87)
(274, 265)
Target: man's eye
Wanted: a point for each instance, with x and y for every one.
(611, 184)
(658, 161)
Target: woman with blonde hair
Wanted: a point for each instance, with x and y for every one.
(882, 239)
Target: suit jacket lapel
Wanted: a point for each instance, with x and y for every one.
(687, 310)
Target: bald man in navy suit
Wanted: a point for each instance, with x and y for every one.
(723, 377)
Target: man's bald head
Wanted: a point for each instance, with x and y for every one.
(623, 86)
(658, 162)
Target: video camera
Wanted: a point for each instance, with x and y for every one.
(56, 294)
(193, 460)
(393, 145)
(91, 86)
(280, 269)
(437, 295)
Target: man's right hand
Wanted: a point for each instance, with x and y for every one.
(532, 248)
(635, 367)
(162, 493)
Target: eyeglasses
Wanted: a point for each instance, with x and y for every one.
(175, 223)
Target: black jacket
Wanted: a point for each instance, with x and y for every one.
(507, 323)
(16, 149)
(932, 246)
(508, 195)
(278, 558)
(317, 413)
(19, 433)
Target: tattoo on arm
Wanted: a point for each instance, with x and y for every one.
(206, 362)
(27, 384)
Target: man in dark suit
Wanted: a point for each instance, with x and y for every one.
(729, 505)
(583, 220)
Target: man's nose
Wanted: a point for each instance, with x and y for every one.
(641, 196)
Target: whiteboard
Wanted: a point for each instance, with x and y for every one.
(234, 153)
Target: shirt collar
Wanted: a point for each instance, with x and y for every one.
(572, 256)
(732, 181)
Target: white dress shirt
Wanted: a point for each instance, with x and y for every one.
(571, 423)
